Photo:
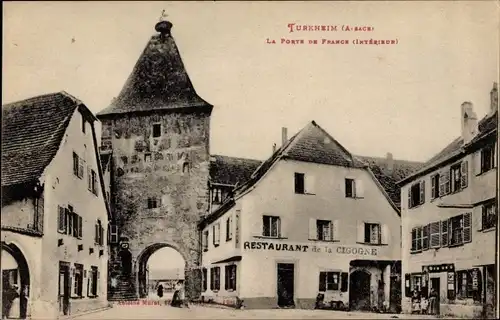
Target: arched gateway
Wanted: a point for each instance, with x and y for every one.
(15, 278)
(157, 131)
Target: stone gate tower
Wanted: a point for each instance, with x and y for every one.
(157, 132)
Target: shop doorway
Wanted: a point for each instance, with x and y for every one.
(64, 288)
(435, 283)
(285, 284)
(359, 290)
(395, 295)
(126, 262)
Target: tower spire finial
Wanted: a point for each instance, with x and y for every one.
(163, 26)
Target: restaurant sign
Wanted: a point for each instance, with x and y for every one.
(270, 246)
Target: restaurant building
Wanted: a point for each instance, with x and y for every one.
(449, 220)
(312, 219)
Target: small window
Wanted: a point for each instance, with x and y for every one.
(61, 221)
(78, 165)
(350, 188)
(329, 281)
(271, 226)
(299, 183)
(372, 233)
(487, 158)
(416, 194)
(324, 229)
(113, 233)
(455, 178)
(216, 234)
(416, 239)
(489, 216)
(230, 277)
(99, 233)
(156, 130)
(457, 230)
(216, 196)
(215, 278)
(435, 181)
(84, 123)
(152, 203)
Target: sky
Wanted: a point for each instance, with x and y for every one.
(404, 98)
(166, 261)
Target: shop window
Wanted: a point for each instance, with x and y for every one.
(416, 194)
(205, 280)
(464, 284)
(271, 226)
(216, 234)
(372, 233)
(215, 278)
(435, 186)
(205, 240)
(230, 277)
(329, 281)
(489, 215)
(78, 281)
(487, 158)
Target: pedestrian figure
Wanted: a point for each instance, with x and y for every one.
(182, 295)
(176, 301)
(160, 291)
(433, 301)
(415, 301)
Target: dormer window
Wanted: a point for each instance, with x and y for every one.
(156, 130)
(217, 195)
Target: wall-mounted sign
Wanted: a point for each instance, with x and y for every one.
(264, 245)
(439, 268)
(475, 279)
(124, 245)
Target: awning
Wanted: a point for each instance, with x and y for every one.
(232, 259)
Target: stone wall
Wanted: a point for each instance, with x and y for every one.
(172, 168)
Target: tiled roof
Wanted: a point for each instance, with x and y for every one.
(32, 131)
(231, 170)
(487, 125)
(158, 81)
(387, 176)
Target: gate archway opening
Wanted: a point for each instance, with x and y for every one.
(15, 282)
(160, 264)
(359, 290)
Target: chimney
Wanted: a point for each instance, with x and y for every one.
(284, 136)
(274, 148)
(390, 162)
(469, 122)
(494, 98)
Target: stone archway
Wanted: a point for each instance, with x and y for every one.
(15, 275)
(141, 265)
(359, 290)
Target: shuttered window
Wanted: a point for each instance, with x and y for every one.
(329, 281)
(425, 237)
(434, 234)
(444, 233)
(61, 220)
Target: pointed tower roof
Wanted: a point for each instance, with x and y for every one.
(158, 81)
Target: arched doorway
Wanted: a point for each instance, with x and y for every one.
(167, 266)
(15, 281)
(359, 290)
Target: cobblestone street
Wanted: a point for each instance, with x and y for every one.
(211, 312)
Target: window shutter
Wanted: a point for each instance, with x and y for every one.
(75, 224)
(89, 178)
(435, 235)
(407, 285)
(413, 239)
(422, 191)
(467, 227)
(336, 230)
(447, 185)
(495, 156)
(96, 233)
(464, 171)
(231, 226)
(62, 219)
(360, 189)
(310, 183)
(322, 281)
(444, 233)
(213, 235)
(344, 281)
(477, 162)
(80, 226)
(409, 197)
(425, 237)
(313, 234)
(433, 187)
(442, 183)
(385, 234)
(361, 232)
